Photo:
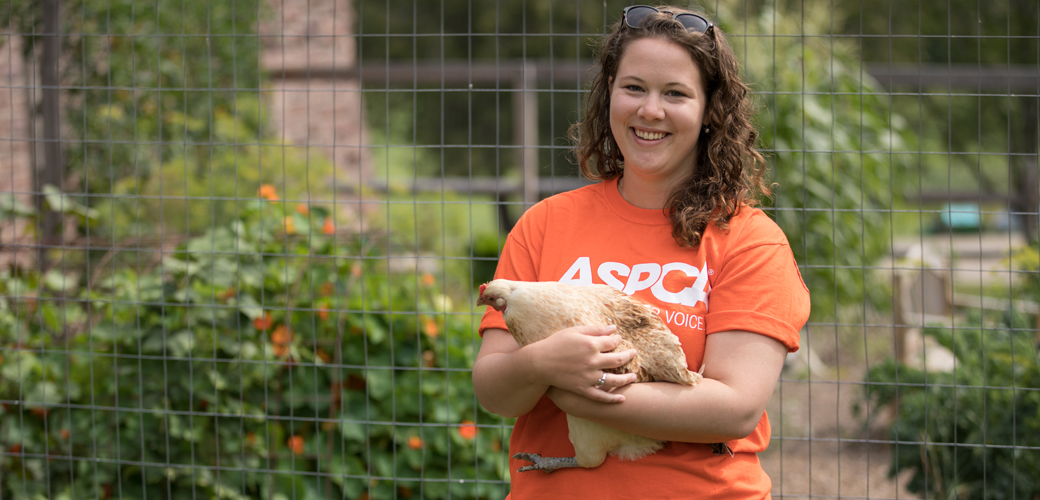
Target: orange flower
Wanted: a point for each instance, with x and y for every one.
(65, 434)
(250, 438)
(264, 322)
(323, 312)
(430, 327)
(467, 429)
(427, 279)
(290, 227)
(227, 294)
(16, 448)
(415, 442)
(322, 355)
(268, 192)
(40, 412)
(328, 227)
(296, 444)
(281, 337)
(326, 289)
(302, 209)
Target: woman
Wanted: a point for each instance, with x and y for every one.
(667, 129)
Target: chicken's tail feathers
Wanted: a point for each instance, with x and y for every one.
(679, 375)
(694, 378)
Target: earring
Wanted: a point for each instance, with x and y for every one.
(707, 130)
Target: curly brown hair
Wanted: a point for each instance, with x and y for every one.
(729, 169)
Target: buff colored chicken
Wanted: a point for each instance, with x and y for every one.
(534, 310)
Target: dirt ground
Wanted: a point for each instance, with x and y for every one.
(821, 448)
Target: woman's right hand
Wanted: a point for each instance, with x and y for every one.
(576, 358)
(509, 380)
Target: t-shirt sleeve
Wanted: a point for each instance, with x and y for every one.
(759, 289)
(518, 259)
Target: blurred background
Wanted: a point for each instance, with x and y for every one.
(240, 239)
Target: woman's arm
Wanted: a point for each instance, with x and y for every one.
(741, 370)
(509, 379)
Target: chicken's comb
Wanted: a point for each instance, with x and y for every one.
(482, 287)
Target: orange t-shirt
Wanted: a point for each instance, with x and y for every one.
(742, 279)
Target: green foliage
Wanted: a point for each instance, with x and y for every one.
(161, 101)
(266, 358)
(972, 433)
(959, 118)
(190, 194)
(832, 134)
(154, 84)
(1026, 263)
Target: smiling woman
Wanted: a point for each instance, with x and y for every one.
(657, 106)
(667, 129)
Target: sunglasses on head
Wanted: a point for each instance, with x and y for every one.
(635, 15)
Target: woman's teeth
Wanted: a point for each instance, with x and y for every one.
(650, 136)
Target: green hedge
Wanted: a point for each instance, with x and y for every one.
(973, 432)
(267, 358)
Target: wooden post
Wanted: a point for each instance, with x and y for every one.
(50, 172)
(525, 130)
(900, 314)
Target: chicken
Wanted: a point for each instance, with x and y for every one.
(534, 311)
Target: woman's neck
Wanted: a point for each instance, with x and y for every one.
(641, 195)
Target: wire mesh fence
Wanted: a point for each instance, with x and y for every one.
(241, 240)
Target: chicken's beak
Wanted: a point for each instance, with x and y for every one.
(480, 299)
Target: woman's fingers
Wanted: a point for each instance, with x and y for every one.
(612, 381)
(604, 393)
(618, 359)
(576, 358)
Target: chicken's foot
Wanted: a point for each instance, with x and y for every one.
(545, 464)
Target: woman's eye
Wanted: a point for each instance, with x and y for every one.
(634, 88)
(675, 93)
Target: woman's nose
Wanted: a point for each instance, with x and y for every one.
(650, 108)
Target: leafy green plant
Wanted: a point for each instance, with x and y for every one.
(1026, 262)
(191, 193)
(831, 132)
(144, 80)
(269, 357)
(973, 432)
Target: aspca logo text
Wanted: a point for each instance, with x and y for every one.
(643, 276)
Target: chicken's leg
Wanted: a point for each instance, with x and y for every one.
(545, 464)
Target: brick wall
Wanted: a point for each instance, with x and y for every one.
(16, 173)
(321, 113)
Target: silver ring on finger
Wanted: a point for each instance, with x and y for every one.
(602, 380)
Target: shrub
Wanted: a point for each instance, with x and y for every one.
(202, 187)
(267, 357)
(971, 433)
(831, 134)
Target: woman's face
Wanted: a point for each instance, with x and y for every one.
(657, 102)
